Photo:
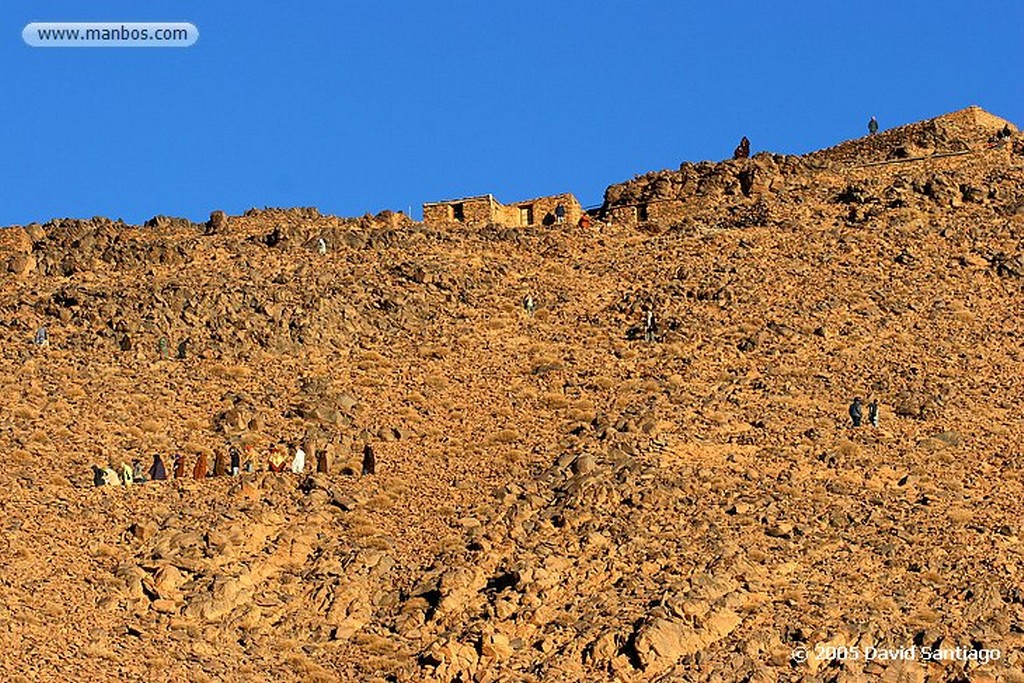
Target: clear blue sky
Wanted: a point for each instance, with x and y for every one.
(363, 106)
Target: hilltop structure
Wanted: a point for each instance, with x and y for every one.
(486, 209)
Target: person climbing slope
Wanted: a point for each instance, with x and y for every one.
(249, 459)
(202, 467)
(179, 466)
(157, 471)
(856, 412)
(278, 458)
(299, 461)
(110, 477)
(220, 463)
(236, 461)
(369, 460)
(650, 325)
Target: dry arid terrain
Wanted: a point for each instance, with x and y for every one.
(556, 498)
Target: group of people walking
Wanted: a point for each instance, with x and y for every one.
(857, 412)
(282, 458)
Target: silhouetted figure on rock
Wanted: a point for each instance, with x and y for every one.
(872, 126)
(369, 460)
(157, 471)
(236, 461)
(742, 150)
(856, 412)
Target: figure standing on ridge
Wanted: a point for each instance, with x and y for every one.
(560, 214)
(742, 150)
(856, 412)
(528, 304)
(321, 246)
(872, 126)
(873, 412)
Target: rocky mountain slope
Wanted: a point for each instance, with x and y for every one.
(556, 499)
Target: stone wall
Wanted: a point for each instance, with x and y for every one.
(543, 209)
(486, 209)
(664, 212)
(437, 213)
(482, 209)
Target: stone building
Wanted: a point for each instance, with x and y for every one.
(486, 209)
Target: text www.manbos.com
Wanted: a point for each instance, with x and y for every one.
(110, 34)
